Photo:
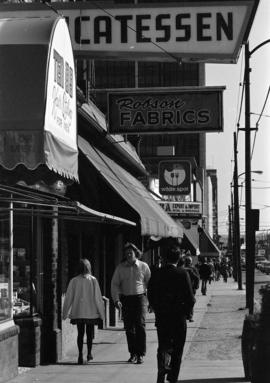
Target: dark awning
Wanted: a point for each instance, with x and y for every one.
(153, 219)
(193, 237)
(35, 203)
(208, 248)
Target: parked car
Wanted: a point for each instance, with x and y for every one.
(264, 266)
(259, 259)
(267, 268)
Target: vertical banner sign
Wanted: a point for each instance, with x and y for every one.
(174, 177)
(60, 123)
(60, 114)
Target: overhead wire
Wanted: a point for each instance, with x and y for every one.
(257, 123)
(179, 61)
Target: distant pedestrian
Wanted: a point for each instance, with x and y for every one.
(84, 305)
(224, 270)
(205, 273)
(212, 275)
(128, 290)
(194, 278)
(171, 297)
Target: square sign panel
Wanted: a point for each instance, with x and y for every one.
(174, 177)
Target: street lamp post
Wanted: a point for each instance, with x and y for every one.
(236, 222)
(250, 232)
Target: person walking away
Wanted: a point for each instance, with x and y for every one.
(84, 306)
(128, 291)
(171, 298)
(205, 272)
(224, 270)
(212, 275)
(217, 269)
(194, 278)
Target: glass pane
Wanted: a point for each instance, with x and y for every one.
(22, 288)
(5, 299)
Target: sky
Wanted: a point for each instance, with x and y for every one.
(220, 145)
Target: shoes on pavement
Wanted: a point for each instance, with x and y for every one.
(80, 359)
(139, 359)
(132, 358)
(170, 379)
(89, 357)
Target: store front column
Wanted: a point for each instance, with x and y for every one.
(51, 333)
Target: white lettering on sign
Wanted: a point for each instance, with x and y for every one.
(182, 208)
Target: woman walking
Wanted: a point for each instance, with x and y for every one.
(84, 306)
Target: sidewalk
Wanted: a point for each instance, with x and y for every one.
(212, 351)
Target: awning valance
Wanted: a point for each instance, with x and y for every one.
(153, 219)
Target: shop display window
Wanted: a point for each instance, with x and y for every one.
(5, 270)
(24, 290)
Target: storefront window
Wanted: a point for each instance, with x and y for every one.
(5, 257)
(24, 289)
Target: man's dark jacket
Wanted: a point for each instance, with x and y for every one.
(170, 291)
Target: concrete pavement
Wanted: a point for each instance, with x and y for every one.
(212, 351)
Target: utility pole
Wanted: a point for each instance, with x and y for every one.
(250, 231)
(236, 218)
(229, 245)
(234, 261)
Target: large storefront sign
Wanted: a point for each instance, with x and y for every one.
(182, 209)
(209, 31)
(182, 110)
(174, 177)
(38, 110)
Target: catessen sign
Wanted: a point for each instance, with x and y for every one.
(209, 31)
(172, 111)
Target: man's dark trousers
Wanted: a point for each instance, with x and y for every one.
(171, 332)
(134, 312)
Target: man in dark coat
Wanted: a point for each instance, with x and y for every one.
(205, 272)
(194, 278)
(170, 296)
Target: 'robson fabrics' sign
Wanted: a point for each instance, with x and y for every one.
(209, 31)
(182, 110)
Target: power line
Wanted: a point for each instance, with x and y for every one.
(258, 114)
(257, 123)
(179, 61)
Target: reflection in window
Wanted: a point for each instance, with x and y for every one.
(5, 288)
(23, 287)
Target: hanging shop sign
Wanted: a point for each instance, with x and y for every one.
(182, 209)
(182, 110)
(38, 117)
(174, 177)
(60, 122)
(208, 31)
